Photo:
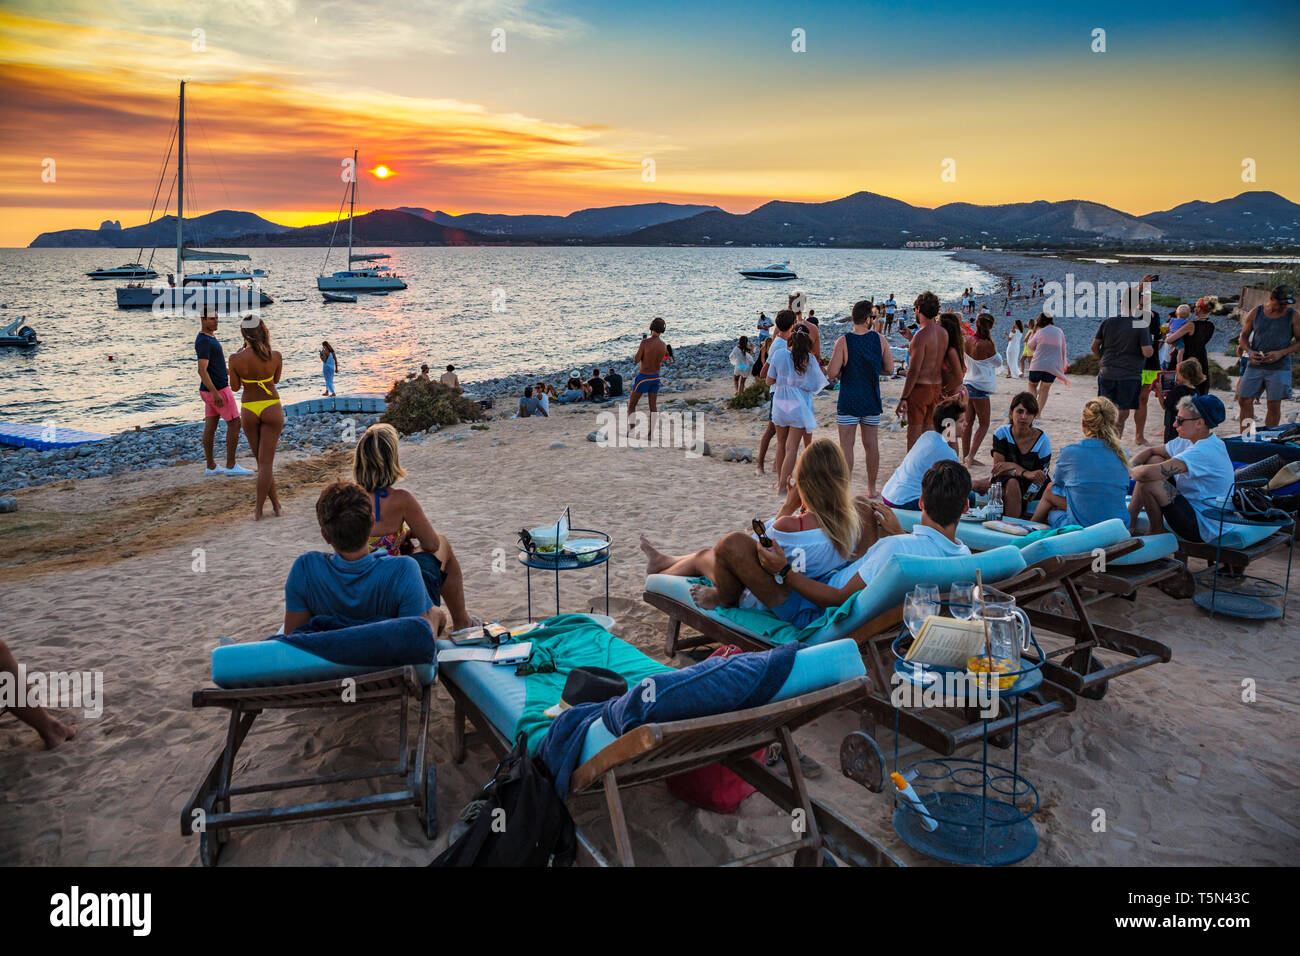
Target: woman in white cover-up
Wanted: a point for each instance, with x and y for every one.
(795, 377)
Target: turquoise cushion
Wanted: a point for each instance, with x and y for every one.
(272, 663)
(1234, 535)
(1076, 542)
(970, 533)
(1154, 547)
(814, 668)
(899, 575)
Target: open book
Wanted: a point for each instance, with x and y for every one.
(945, 642)
(505, 654)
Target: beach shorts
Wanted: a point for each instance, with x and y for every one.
(1255, 380)
(645, 384)
(433, 574)
(1047, 377)
(913, 505)
(973, 392)
(872, 421)
(229, 409)
(1123, 392)
(1180, 516)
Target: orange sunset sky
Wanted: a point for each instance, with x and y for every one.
(562, 118)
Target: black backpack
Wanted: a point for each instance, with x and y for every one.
(517, 819)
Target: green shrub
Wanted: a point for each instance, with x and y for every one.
(1084, 365)
(753, 395)
(1165, 300)
(1218, 377)
(415, 405)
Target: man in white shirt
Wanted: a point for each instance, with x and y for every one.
(903, 489)
(742, 563)
(1178, 481)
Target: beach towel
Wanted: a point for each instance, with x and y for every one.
(380, 642)
(718, 685)
(569, 641)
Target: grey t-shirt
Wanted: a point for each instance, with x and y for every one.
(529, 407)
(1121, 347)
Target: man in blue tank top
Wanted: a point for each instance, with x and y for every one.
(858, 359)
(1269, 336)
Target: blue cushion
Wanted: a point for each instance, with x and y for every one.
(1101, 535)
(900, 574)
(1234, 535)
(272, 663)
(1154, 547)
(814, 668)
(903, 572)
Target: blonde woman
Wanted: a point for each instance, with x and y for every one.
(400, 526)
(820, 522)
(1091, 478)
(256, 368)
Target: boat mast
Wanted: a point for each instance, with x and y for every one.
(180, 189)
(352, 206)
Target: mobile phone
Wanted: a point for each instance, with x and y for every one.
(760, 529)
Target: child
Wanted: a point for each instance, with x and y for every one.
(1191, 381)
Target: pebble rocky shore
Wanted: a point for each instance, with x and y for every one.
(694, 365)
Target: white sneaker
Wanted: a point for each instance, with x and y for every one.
(238, 471)
(214, 472)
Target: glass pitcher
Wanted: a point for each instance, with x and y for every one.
(1009, 631)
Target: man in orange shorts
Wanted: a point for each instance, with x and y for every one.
(922, 387)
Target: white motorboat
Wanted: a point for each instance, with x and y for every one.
(777, 272)
(17, 335)
(366, 278)
(221, 289)
(130, 270)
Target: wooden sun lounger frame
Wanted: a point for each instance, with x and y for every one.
(214, 792)
(1234, 561)
(873, 639)
(1077, 669)
(655, 751)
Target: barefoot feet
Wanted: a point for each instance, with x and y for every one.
(656, 562)
(705, 597)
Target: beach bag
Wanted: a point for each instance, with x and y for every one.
(713, 787)
(517, 820)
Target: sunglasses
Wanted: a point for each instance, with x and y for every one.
(1179, 420)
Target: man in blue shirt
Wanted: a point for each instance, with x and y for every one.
(354, 582)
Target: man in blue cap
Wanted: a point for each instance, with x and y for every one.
(1177, 482)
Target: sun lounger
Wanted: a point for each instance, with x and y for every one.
(272, 674)
(824, 678)
(1104, 557)
(871, 617)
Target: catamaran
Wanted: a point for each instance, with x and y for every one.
(366, 278)
(225, 290)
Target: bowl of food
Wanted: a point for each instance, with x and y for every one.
(586, 550)
(979, 665)
(548, 538)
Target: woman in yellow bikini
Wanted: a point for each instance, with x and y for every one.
(256, 368)
(400, 525)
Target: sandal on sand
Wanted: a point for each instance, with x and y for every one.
(809, 767)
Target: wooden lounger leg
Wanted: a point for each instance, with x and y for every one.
(457, 730)
(622, 842)
(674, 635)
(808, 855)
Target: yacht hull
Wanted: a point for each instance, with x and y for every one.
(220, 297)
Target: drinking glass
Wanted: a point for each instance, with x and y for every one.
(961, 600)
(920, 603)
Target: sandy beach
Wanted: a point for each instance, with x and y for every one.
(104, 579)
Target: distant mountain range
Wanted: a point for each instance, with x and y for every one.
(862, 219)
(222, 224)
(585, 223)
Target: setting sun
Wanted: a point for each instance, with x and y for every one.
(383, 172)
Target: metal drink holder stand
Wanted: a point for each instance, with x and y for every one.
(556, 561)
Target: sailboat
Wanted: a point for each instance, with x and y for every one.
(129, 270)
(365, 278)
(224, 290)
